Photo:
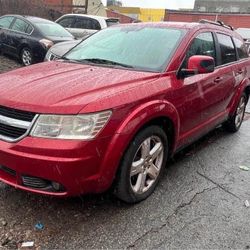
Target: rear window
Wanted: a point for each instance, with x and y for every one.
(53, 29)
(5, 22)
(111, 22)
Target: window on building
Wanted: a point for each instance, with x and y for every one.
(228, 52)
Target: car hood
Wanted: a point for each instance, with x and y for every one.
(59, 39)
(60, 49)
(60, 87)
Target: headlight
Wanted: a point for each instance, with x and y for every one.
(46, 43)
(80, 127)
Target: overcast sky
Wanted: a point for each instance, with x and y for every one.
(165, 4)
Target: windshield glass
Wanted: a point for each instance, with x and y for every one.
(53, 29)
(142, 48)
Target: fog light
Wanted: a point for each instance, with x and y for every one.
(56, 186)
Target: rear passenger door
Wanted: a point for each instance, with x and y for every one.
(225, 70)
(20, 32)
(240, 69)
(5, 23)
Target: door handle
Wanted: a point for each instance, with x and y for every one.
(240, 71)
(218, 79)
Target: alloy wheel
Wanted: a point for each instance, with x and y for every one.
(26, 57)
(147, 164)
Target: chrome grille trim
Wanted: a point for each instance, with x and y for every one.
(14, 122)
(18, 124)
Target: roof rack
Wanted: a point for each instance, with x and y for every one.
(218, 23)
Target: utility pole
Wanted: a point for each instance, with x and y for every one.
(86, 6)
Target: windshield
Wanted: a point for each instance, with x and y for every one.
(53, 29)
(142, 48)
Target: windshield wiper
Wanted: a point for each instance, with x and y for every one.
(105, 62)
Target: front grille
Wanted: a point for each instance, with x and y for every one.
(53, 57)
(17, 114)
(35, 182)
(11, 132)
(14, 124)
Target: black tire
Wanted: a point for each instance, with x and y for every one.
(124, 188)
(26, 56)
(233, 124)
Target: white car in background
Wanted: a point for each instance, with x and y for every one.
(80, 25)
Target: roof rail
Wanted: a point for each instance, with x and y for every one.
(218, 23)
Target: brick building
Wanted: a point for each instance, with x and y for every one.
(230, 6)
(236, 20)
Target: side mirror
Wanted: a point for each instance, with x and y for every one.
(199, 65)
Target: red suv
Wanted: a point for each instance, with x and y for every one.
(118, 105)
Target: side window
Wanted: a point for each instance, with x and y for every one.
(20, 25)
(228, 53)
(66, 22)
(81, 23)
(203, 44)
(94, 24)
(241, 48)
(87, 23)
(5, 22)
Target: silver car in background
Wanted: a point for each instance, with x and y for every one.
(80, 25)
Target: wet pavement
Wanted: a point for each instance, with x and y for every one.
(198, 204)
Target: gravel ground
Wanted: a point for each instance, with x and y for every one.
(8, 63)
(199, 204)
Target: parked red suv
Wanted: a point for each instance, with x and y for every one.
(118, 105)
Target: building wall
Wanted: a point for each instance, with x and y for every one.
(145, 15)
(241, 6)
(152, 15)
(64, 6)
(122, 18)
(235, 20)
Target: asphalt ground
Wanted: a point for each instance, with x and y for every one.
(199, 204)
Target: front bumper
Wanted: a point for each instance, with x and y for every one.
(73, 164)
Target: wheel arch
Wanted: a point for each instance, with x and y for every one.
(158, 113)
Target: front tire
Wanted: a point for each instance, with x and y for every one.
(142, 165)
(233, 124)
(26, 56)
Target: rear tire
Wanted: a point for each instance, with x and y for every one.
(233, 124)
(26, 56)
(142, 165)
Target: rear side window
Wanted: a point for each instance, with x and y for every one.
(111, 22)
(21, 26)
(87, 23)
(5, 22)
(203, 44)
(67, 22)
(241, 48)
(228, 53)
